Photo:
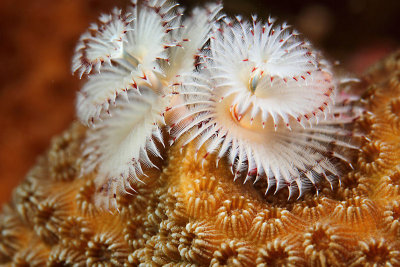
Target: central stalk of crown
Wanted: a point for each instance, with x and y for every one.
(229, 110)
(154, 81)
(149, 78)
(256, 75)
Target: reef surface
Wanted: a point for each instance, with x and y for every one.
(186, 214)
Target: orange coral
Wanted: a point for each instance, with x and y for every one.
(185, 214)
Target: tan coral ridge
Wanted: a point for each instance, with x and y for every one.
(189, 215)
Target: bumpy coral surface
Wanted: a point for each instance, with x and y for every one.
(186, 214)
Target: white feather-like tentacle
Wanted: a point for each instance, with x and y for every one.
(124, 140)
(295, 157)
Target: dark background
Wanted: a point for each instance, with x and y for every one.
(37, 38)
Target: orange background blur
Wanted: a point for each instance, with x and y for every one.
(37, 39)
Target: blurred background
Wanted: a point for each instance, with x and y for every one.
(37, 39)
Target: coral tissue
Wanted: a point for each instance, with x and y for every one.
(205, 140)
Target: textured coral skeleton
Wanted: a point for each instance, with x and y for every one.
(253, 92)
(186, 210)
